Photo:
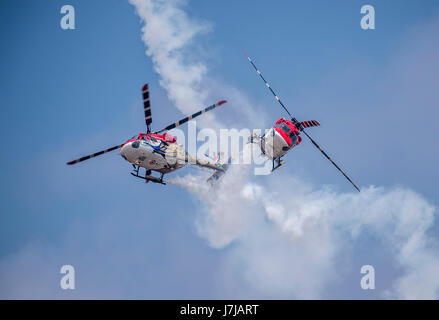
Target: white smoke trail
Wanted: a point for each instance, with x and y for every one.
(168, 32)
(222, 199)
(288, 237)
(312, 228)
(169, 36)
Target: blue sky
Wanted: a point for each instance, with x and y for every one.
(66, 93)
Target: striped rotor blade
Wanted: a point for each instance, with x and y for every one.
(310, 123)
(332, 161)
(267, 84)
(192, 116)
(147, 107)
(94, 155)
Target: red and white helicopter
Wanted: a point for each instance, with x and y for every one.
(160, 152)
(285, 135)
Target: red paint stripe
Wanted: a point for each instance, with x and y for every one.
(128, 142)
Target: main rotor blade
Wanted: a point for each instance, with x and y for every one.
(94, 154)
(147, 107)
(324, 153)
(267, 84)
(192, 116)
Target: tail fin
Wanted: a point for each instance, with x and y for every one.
(310, 123)
(219, 163)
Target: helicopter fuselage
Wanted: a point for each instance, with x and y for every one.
(153, 152)
(280, 139)
(158, 152)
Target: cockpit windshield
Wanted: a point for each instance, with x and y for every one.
(290, 133)
(293, 137)
(284, 128)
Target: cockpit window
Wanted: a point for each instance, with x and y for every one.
(153, 139)
(284, 128)
(135, 144)
(293, 137)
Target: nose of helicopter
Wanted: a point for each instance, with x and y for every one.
(123, 150)
(127, 149)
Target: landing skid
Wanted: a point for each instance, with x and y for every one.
(147, 177)
(277, 163)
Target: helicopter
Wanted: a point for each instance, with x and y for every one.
(159, 151)
(285, 134)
